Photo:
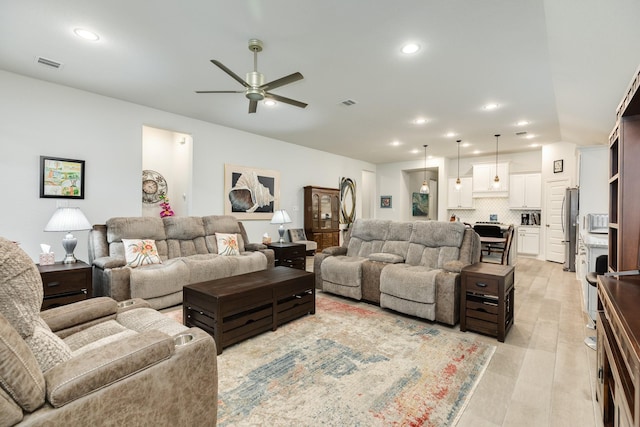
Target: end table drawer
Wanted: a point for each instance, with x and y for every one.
(59, 283)
(57, 301)
(482, 284)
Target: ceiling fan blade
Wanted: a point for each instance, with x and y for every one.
(282, 81)
(231, 73)
(219, 91)
(285, 100)
(253, 106)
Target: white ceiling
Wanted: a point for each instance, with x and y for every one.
(561, 64)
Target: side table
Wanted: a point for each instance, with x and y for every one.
(486, 299)
(289, 254)
(65, 283)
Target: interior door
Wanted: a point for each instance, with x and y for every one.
(554, 236)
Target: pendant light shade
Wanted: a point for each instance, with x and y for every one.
(496, 180)
(425, 187)
(458, 182)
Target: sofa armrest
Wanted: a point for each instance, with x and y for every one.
(335, 250)
(454, 266)
(109, 262)
(79, 313)
(100, 367)
(254, 247)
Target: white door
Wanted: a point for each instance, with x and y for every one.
(554, 236)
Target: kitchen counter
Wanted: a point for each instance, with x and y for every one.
(591, 240)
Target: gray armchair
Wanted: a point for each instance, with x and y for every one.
(97, 360)
(297, 235)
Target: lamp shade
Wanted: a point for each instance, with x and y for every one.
(68, 219)
(280, 217)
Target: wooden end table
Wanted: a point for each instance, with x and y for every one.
(486, 299)
(65, 283)
(289, 254)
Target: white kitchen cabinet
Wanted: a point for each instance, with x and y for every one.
(525, 191)
(483, 176)
(463, 198)
(528, 240)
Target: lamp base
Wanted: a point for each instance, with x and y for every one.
(281, 232)
(69, 244)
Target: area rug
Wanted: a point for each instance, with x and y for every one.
(350, 365)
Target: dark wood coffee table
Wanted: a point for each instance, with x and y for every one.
(235, 308)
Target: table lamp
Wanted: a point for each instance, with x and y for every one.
(68, 219)
(281, 217)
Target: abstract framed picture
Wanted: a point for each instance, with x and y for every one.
(385, 201)
(420, 204)
(251, 193)
(61, 178)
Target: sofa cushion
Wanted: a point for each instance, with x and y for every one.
(367, 237)
(222, 224)
(214, 266)
(388, 258)
(146, 227)
(48, 349)
(227, 244)
(139, 252)
(343, 270)
(185, 236)
(412, 283)
(155, 280)
(20, 374)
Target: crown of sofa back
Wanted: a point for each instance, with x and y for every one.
(174, 236)
(367, 237)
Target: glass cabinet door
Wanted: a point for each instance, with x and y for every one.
(326, 213)
(315, 210)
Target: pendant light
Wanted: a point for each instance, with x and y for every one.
(496, 180)
(458, 182)
(425, 187)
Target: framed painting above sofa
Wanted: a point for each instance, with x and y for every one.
(251, 193)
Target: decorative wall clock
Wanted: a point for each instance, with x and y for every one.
(153, 186)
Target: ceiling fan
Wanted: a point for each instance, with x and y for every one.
(255, 87)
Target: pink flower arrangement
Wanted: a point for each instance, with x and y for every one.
(165, 206)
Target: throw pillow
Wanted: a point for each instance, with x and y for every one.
(140, 252)
(227, 244)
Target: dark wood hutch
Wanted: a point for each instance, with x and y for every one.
(618, 324)
(322, 216)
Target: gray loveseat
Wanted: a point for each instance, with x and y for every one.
(410, 267)
(187, 247)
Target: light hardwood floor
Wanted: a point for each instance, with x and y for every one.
(543, 374)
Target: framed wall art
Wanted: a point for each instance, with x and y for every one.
(558, 166)
(420, 204)
(385, 201)
(61, 178)
(251, 193)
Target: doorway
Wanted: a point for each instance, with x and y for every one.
(167, 159)
(554, 236)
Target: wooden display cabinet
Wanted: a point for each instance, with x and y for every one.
(321, 216)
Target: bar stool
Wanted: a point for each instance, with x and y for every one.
(602, 262)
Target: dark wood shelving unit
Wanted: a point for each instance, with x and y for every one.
(322, 216)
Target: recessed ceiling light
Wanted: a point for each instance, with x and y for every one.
(410, 48)
(492, 106)
(415, 151)
(465, 145)
(420, 121)
(529, 136)
(522, 123)
(86, 34)
(395, 143)
(450, 134)
(477, 151)
(430, 157)
(534, 145)
(269, 102)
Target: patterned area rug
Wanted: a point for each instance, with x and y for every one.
(350, 365)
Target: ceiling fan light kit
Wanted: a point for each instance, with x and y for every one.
(255, 87)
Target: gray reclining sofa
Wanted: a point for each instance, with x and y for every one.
(410, 267)
(187, 247)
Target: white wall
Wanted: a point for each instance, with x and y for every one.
(40, 118)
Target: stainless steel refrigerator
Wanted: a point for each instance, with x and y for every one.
(570, 227)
